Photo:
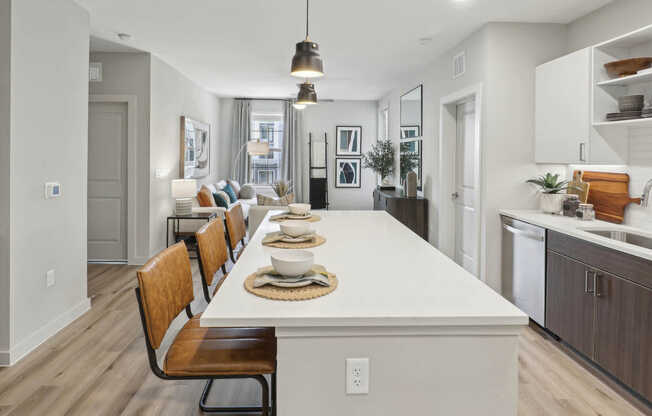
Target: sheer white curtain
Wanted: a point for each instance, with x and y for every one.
(240, 135)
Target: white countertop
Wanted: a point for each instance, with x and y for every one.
(388, 276)
(574, 227)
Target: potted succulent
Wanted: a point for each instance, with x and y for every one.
(380, 159)
(550, 187)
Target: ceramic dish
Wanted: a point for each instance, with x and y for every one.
(301, 209)
(292, 263)
(295, 228)
(629, 103)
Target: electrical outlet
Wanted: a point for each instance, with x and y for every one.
(49, 278)
(357, 376)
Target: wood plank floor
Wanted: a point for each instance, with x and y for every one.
(98, 366)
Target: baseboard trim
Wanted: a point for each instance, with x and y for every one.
(18, 352)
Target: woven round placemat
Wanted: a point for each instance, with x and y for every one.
(285, 293)
(317, 241)
(314, 218)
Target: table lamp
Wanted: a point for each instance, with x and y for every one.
(183, 190)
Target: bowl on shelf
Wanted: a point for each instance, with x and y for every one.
(295, 228)
(292, 263)
(629, 103)
(301, 209)
(627, 67)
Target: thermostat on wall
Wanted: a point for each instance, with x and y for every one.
(52, 190)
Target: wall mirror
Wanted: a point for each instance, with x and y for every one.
(195, 149)
(411, 134)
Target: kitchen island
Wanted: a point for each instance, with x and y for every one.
(438, 340)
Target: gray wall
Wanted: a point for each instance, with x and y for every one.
(5, 173)
(324, 117)
(49, 128)
(172, 96)
(610, 21)
(501, 56)
(129, 74)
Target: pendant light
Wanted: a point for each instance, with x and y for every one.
(307, 94)
(307, 62)
(298, 106)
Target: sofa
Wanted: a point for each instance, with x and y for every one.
(252, 212)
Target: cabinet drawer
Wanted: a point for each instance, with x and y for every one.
(630, 267)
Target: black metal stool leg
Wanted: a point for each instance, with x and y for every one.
(264, 409)
(274, 394)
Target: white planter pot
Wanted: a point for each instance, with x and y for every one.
(552, 203)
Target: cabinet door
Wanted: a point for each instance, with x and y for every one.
(570, 302)
(623, 341)
(562, 109)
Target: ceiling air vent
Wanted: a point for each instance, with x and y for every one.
(459, 65)
(95, 72)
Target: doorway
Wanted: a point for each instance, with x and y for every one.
(107, 181)
(460, 215)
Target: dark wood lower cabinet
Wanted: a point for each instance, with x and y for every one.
(603, 312)
(569, 302)
(623, 336)
(411, 212)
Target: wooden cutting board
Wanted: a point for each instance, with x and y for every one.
(578, 187)
(609, 194)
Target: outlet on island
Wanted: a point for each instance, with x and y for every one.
(357, 376)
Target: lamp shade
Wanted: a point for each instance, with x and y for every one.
(184, 188)
(307, 94)
(307, 62)
(255, 148)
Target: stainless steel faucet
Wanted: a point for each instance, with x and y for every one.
(645, 198)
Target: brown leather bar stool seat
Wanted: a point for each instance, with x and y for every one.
(164, 290)
(236, 230)
(212, 255)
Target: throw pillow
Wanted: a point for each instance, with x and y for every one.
(221, 199)
(235, 185)
(229, 191)
(220, 185)
(247, 192)
(275, 202)
(205, 197)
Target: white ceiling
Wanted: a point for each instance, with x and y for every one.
(244, 47)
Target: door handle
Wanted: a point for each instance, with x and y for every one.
(596, 281)
(586, 282)
(455, 195)
(582, 152)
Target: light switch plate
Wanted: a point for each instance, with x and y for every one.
(357, 376)
(49, 278)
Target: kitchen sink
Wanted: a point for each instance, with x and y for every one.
(624, 236)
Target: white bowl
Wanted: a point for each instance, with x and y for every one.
(299, 209)
(295, 228)
(292, 263)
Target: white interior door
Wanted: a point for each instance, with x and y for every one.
(107, 181)
(465, 185)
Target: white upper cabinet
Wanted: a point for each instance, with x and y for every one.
(562, 109)
(565, 131)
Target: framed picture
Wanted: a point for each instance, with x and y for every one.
(347, 173)
(348, 141)
(195, 149)
(410, 132)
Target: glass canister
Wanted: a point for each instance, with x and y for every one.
(571, 204)
(585, 212)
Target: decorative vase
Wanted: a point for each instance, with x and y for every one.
(552, 203)
(411, 184)
(386, 183)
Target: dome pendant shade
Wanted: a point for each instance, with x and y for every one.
(307, 62)
(307, 94)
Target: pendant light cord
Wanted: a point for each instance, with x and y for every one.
(307, 18)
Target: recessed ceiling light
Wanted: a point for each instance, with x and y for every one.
(124, 36)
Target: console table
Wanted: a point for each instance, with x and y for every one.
(412, 212)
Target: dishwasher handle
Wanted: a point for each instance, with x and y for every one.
(525, 234)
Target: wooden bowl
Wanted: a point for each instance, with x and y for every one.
(627, 67)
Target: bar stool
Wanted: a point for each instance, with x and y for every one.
(212, 255)
(236, 230)
(164, 290)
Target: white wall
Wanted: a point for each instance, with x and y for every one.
(129, 74)
(613, 20)
(49, 123)
(501, 56)
(172, 96)
(225, 139)
(324, 117)
(5, 220)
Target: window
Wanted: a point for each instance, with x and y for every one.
(266, 127)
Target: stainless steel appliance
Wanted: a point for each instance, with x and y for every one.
(524, 267)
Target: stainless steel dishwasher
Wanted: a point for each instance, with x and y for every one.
(524, 267)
